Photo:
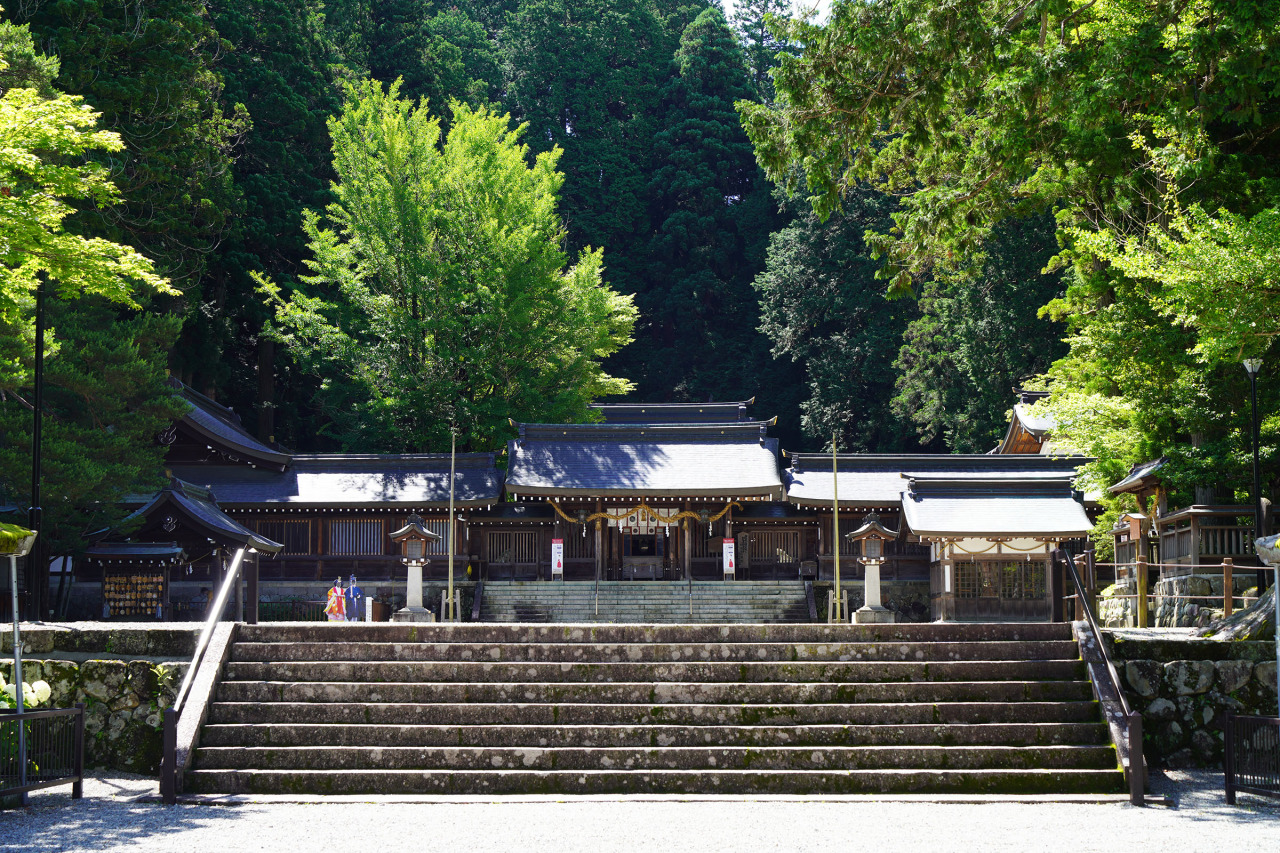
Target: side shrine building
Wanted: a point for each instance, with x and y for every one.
(680, 493)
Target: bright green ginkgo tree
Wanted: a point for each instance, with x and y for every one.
(439, 290)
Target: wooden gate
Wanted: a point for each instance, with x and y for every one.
(772, 554)
(512, 555)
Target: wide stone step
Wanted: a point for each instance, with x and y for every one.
(688, 714)
(655, 652)
(661, 693)
(701, 781)
(704, 671)
(476, 632)
(516, 735)
(663, 758)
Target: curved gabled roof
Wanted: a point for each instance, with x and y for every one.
(948, 507)
(878, 480)
(220, 427)
(196, 508)
(735, 459)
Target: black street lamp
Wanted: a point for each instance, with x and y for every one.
(37, 565)
(1251, 367)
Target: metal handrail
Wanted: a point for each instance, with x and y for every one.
(1083, 599)
(206, 633)
(1134, 720)
(169, 757)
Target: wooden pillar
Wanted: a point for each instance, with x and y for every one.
(599, 534)
(1227, 591)
(251, 613)
(1140, 583)
(948, 598)
(686, 546)
(1091, 579)
(1056, 570)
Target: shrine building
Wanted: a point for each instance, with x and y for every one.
(680, 493)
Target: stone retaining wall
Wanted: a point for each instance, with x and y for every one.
(1185, 687)
(101, 666)
(123, 704)
(1190, 601)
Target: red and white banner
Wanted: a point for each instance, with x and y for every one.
(729, 561)
(557, 556)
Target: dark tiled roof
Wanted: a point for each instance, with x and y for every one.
(1142, 476)
(217, 424)
(154, 552)
(878, 480)
(723, 459)
(670, 413)
(353, 480)
(196, 508)
(971, 507)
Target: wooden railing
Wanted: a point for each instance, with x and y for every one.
(1140, 571)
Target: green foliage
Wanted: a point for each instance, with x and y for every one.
(978, 109)
(978, 337)
(760, 46)
(41, 139)
(439, 290)
(105, 401)
(277, 70)
(1129, 120)
(437, 51)
(149, 70)
(822, 309)
(586, 77)
(710, 214)
(104, 393)
(1217, 275)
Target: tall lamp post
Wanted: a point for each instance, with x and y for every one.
(37, 566)
(1251, 367)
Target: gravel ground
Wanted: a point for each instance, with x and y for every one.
(109, 818)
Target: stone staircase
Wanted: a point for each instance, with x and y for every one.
(631, 709)
(645, 602)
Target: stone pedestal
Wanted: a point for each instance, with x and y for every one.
(873, 611)
(413, 611)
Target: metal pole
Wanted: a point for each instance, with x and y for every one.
(835, 526)
(17, 679)
(35, 515)
(1253, 367)
(453, 460)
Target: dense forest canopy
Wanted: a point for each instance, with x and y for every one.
(1150, 130)
(1040, 185)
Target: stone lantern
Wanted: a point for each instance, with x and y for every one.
(413, 539)
(872, 534)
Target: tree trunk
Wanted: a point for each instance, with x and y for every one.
(1255, 622)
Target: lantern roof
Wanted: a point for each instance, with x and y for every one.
(871, 527)
(415, 527)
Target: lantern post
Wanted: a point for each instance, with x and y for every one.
(413, 539)
(872, 535)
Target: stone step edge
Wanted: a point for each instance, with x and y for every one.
(1076, 703)
(695, 782)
